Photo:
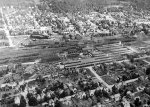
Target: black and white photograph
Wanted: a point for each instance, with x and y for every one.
(74, 53)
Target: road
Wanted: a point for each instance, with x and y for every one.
(6, 30)
(98, 77)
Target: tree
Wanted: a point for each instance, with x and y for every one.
(73, 6)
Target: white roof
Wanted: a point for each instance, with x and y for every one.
(110, 18)
(142, 22)
(65, 19)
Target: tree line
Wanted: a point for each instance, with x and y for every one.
(73, 6)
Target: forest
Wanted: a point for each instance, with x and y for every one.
(73, 6)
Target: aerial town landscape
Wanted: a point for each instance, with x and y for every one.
(74, 53)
